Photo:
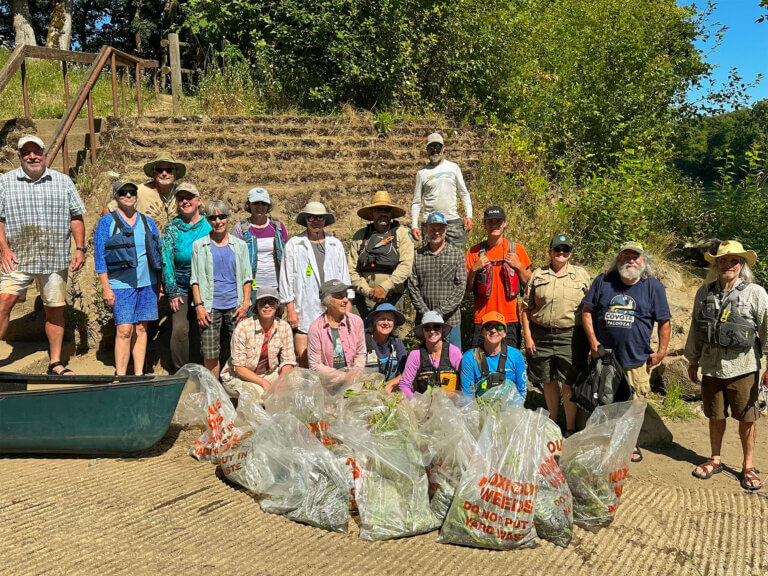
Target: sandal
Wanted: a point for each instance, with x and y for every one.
(65, 372)
(709, 467)
(637, 456)
(748, 479)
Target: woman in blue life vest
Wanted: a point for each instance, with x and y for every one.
(265, 236)
(434, 363)
(385, 352)
(493, 362)
(128, 261)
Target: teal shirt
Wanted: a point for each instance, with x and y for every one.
(178, 238)
(202, 268)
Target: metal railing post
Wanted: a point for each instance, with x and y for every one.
(91, 127)
(114, 85)
(65, 145)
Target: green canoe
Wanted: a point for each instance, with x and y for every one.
(85, 414)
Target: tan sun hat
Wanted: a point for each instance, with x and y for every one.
(732, 248)
(315, 209)
(380, 199)
(178, 167)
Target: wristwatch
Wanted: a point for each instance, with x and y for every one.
(195, 304)
(83, 250)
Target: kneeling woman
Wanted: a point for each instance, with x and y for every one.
(493, 362)
(336, 339)
(385, 351)
(127, 258)
(435, 363)
(262, 347)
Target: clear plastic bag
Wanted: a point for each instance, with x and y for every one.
(595, 461)
(553, 509)
(301, 393)
(494, 503)
(299, 478)
(204, 402)
(391, 488)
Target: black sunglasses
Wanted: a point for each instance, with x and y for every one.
(127, 192)
(433, 327)
(217, 217)
(437, 147)
(562, 249)
(169, 170)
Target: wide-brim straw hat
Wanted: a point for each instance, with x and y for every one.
(315, 209)
(431, 317)
(732, 248)
(179, 169)
(380, 199)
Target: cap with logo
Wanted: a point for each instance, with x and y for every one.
(561, 240)
(494, 212)
(258, 195)
(634, 246)
(493, 317)
(333, 287)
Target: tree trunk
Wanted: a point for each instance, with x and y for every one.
(22, 23)
(60, 29)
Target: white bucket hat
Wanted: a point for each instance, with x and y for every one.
(431, 317)
(315, 209)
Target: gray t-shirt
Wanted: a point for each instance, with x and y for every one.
(319, 249)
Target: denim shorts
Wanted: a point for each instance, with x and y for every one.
(133, 305)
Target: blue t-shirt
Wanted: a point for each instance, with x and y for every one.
(224, 277)
(471, 376)
(623, 316)
(139, 277)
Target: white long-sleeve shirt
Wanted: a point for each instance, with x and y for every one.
(299, 278)
(435, 191)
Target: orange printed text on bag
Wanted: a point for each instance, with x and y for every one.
(443, 376)
(509, 278)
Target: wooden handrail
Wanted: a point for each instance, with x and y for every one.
(12, 65)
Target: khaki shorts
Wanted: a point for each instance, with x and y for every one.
(235, 385)
(739, 393)
(640, 379)
(52, 287)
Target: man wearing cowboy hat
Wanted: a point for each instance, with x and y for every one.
(156, 197)
(435, 191)
(309, 259)
(380, 255)
(727, 339)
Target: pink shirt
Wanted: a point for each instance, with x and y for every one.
(320, 343)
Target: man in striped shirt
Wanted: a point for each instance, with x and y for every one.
(39, 210)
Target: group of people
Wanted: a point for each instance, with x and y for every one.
(252, 302)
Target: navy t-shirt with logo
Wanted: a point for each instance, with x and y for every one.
(623, 316)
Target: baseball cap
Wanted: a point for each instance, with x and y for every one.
(117, 186)
(187, 187)
(636, 246)
(494, 212)
(332, 287)
(561, 240)
(436, 218)
(30, 138)
(494, 317)
(435, 137)
(258, 195)
(266, 292)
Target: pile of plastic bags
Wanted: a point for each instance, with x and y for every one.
(487, 472)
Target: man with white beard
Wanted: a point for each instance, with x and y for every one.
(620, 310)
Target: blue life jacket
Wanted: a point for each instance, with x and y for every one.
(120, 248)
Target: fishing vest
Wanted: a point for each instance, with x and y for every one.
(490, 379)
(389, 365)
(722, 325)
(509, 278)
(380, 253)
(445, 375)
(120, 248)
(253, 245)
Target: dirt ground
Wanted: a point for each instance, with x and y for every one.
(162, 512)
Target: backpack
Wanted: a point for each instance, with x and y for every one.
(602, 382)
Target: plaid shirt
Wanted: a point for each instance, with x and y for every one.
(37, 217)
(246, 347)
(438, 282)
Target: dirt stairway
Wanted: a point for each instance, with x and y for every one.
(340, 160)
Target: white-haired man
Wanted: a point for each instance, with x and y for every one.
(620, 309)
(728, 337)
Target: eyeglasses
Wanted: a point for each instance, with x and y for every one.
(315, 217)
(271, 302)
(561, 250)
(433, 327)
(128, 192)
(168, 169)
(216, 217)
(496, 327)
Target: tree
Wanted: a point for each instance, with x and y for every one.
(60, 27)
(22, 23)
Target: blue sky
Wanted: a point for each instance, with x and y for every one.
(745, 45)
